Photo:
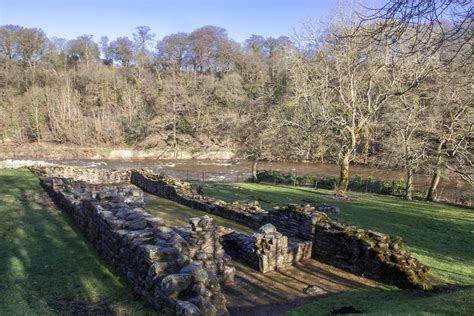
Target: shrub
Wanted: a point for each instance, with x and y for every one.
(134, 131)
(357, 184)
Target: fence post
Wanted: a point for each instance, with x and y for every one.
(202, 177)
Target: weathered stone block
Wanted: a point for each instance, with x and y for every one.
(175, 283)
(185, 308)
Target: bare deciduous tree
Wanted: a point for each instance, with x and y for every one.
(426, 26)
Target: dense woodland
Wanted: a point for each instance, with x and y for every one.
(346, 91)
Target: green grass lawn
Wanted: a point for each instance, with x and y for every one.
(440, 236)
(46, 266)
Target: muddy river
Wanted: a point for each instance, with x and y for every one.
(231, 171)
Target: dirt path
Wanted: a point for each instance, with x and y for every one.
(255, 293)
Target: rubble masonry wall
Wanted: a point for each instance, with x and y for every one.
(177, 268)
(372, 254)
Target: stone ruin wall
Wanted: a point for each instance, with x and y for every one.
(185, 194)
(375, 255)
(178, 268)
(267, 251)
(364, 252)
(251, 252)
(89, 175)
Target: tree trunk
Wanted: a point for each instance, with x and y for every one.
(175, 137)
(409, 185)
(431, 196)
(37, 127)
(344, 177)
(254, 171)
(365, 150)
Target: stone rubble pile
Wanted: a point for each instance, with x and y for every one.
(179, 268)
(206, 248)
(329, 209)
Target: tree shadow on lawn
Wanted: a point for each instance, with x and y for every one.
(46, 265)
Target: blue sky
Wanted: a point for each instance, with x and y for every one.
(241, 18)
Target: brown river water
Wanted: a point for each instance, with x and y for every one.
(231, 171)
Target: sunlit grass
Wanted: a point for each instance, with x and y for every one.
(176, 214)
(439, 235)
(46, 266)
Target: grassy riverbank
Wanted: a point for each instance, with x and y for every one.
(438, 235)
(46, 266)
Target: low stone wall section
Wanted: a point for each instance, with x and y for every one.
(249, 214)
(374, 255)
(176, 268)
(267, 250)
(89, 175)
(295, 220)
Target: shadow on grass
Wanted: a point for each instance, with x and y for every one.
(46, 266)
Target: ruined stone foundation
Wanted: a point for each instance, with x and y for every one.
(177, 268)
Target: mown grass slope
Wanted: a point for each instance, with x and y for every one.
(439, 235)
(46, 266)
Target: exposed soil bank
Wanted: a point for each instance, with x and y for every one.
(58, 151)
